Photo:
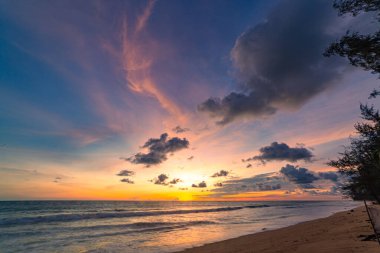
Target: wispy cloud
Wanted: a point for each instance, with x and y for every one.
(144, 17)
(138, 57)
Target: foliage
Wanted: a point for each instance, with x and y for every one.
(361, 50)
(356, 6)
(360, 161)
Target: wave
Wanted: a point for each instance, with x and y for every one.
(256, 206)
(148, 229)
(69, 217)
(124, 228)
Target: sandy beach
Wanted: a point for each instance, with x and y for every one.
(340, 233)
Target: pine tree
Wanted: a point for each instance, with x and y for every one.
(360, 162)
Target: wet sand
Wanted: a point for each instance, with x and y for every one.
(340, 233)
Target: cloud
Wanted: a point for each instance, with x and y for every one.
(158, 150)
(127, 180)
(19, 172)
(289, 180)
(30, 174)
(221, 173)
(190, 158)
(200, 185)
(138, 56)
(248, 165)
(143, 19)
(329, 176)
(218, 184)
(175, 181)
(125, 173)
(57, 179)
(148, 159)
(163, 179)
(280, 63)
(258, 183)
(298, 175)
(282, 152)
(179, 129)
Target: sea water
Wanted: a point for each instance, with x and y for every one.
(144, 227)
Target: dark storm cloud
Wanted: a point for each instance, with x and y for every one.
(329, 176)
(179, 129)
(221, 173)
(158, 150)
(282, 152)
(298, 175)
(127, 180)
(125, 173)
(279, 62)
(200, 185)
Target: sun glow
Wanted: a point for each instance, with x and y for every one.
(186, 178)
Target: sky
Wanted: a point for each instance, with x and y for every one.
(175, 100)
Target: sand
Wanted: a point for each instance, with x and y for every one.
(340, 233)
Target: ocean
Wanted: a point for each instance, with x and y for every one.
(144, 227)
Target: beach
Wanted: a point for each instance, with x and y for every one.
(339, 233)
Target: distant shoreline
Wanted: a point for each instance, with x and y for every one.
(339, 233)
(126, 200)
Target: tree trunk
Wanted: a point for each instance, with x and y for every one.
(373, 193)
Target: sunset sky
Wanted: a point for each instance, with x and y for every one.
(175, 100)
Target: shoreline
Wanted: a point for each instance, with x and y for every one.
(339, 233)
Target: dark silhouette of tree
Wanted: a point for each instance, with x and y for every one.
(356, 6)
(362, 50)
(360, 161)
